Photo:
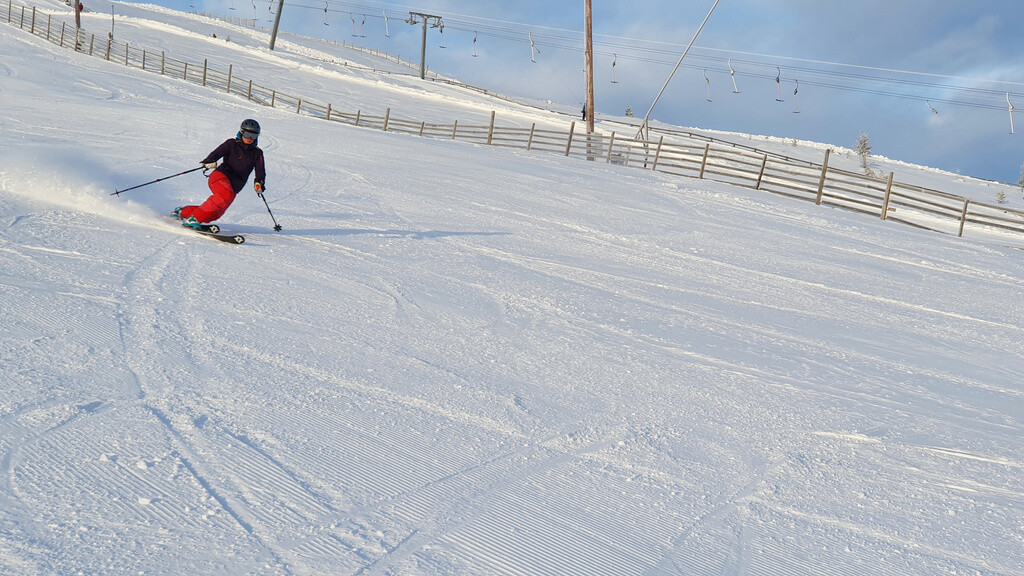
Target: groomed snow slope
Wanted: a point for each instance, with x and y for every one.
(466, 360)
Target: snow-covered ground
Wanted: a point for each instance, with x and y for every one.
(466, 360)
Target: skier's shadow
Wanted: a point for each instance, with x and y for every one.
(311, 232)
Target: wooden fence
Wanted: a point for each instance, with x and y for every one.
(674, 152)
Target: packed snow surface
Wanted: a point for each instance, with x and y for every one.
(468, 360)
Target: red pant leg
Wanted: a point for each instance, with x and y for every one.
(218, 202)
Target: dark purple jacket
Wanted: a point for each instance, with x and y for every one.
(240, 159)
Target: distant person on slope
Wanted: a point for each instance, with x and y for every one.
(241, 156)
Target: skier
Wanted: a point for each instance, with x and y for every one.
(241, 156)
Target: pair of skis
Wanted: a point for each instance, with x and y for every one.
(213, 231)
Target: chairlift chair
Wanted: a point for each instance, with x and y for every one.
(1010, 104)
(732, 73)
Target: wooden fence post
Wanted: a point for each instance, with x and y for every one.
(611, 144)
(92, 40)
(328, 111)
(387, 118)
(963, 217)
(163, 62)
(529, 141)
(249, 95)
(143, 59)
(568, 146)
(231, 69)
(110, 40)
(32, 27)
(490, 131)
(184, 75)
(821, 182)
(422, 126)
(273, 98)
(204, 71)
(455, 129)
(657, 153)
(358, 114)
(760, 177)
(126, 54)
(298, 107)
(885, 202)
(704, 162)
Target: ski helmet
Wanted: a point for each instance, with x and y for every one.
(251, 126)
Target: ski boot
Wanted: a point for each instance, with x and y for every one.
(191, 222)
(177, 212)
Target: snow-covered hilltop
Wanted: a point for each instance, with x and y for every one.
(460, 359)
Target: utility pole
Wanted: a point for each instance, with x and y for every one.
(589, 31)
(277, 22)
(414, 18)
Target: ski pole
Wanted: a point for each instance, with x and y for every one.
(118, 192)
(277, 227)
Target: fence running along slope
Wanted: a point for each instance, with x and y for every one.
(675, 152)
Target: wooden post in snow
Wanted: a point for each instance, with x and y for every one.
(824, 172)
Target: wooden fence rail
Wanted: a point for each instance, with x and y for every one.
(675, 152)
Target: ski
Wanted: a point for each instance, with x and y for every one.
(211, 228)
(229, 238)
(213, 231)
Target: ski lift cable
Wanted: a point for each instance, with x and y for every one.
(455, 18)
(574, 44)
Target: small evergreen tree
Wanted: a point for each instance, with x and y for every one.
(863, 149)
(629, 111)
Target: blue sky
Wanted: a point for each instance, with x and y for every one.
(848, 61)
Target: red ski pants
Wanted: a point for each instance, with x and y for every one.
(218, 202)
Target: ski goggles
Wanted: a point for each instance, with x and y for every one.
(250, 135)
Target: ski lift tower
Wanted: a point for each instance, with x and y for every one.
(416, 18)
